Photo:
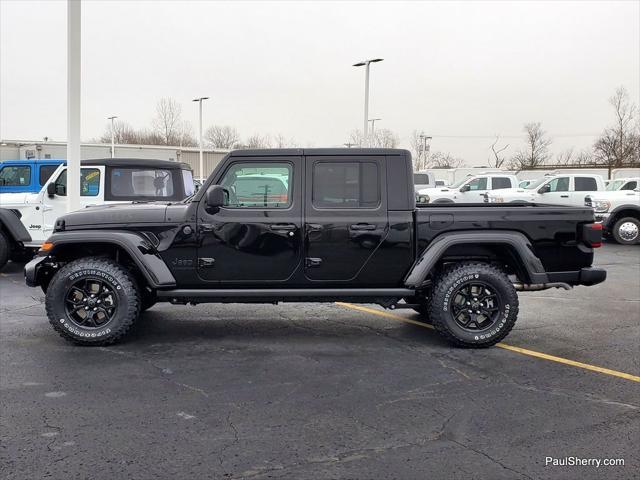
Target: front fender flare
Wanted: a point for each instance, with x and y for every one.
(143, 253)
(436, 249)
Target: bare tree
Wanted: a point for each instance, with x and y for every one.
(498, 160)
(123, 133)
(258, 141)
(444, 160)
(280, 141)
(619, 145)
(384, 138)
(222, 136)
(537, 151)
(356, 138)
(167, 123)
(419, 146)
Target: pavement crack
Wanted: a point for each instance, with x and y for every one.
(498, 462)
(236, 439)
(46, 423)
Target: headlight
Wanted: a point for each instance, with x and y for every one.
(600, 206)
(423, 199)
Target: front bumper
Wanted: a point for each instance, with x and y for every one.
(603, 218)
(585, 276)
(31, 271)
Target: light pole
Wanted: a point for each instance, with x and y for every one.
(373, 128)
(74, 77)
(199, 100)
(113, 137)
(366, 63)
(425, 148)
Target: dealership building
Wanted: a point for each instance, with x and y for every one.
(29, 149)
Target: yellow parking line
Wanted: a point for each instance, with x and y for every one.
(523, 351)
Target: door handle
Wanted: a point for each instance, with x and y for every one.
(362, 226)
(564, 196)
(287, 227)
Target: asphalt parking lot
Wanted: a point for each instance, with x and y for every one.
(326, 391)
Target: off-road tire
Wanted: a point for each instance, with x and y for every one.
(620, 238)
(119, 280)
(5, 248)
(443, 292)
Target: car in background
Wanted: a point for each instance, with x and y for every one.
(27, 220)
(525, 183)
(630, 183)
(619, 213)
(563, 189)
(26, 176)
(471, 189)
(424, 179)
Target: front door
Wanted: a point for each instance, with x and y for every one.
(478, 187)
(257, 235)
(345, 216)
(559, 192)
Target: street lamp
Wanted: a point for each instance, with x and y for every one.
(199, 100)
(366, 63)
(424, 148)
(373, 128)
(113, 137)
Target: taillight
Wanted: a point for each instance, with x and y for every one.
(592, 234)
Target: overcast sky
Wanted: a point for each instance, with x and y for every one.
(464, 70)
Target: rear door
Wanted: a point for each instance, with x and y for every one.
(345, 215)
(582, 186)
(257, 236)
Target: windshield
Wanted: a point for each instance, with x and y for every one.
(537, 183)
(614, 185)
(459, 183)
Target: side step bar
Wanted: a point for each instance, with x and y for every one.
(285, 292)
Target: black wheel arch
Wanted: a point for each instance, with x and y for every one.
(128, 248)
(621, 212)
(11, 225)
(509, 248)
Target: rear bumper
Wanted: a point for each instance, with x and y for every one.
(586, 276)
(31, 271)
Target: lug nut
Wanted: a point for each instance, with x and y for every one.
(470, 311)
(94, 309)
(477, 311)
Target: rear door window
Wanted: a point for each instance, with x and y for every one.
(585, 184)
(137, 183)
(346, 185)
(498, 183)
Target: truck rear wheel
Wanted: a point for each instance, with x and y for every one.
(474, 305)
(626, 231)
(92, 301)
(5, 247)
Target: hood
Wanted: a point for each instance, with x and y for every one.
(116, 214)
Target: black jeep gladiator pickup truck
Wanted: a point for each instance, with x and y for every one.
(312, 225)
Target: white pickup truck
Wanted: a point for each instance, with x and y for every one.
(619, 213)
(471, 189)
(569, 189)
(27, 219)
(630, 183)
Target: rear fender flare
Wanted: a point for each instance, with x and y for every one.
(143, 253)
(10, 223)
(437, 248)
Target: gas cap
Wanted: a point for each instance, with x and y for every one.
(187, 230)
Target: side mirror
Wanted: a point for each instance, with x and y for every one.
(51, 189)
(465, 188)
(216, 196)
(545, 189)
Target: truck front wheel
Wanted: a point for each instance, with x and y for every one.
(626, 231)
(92, 301)
(474, 305)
